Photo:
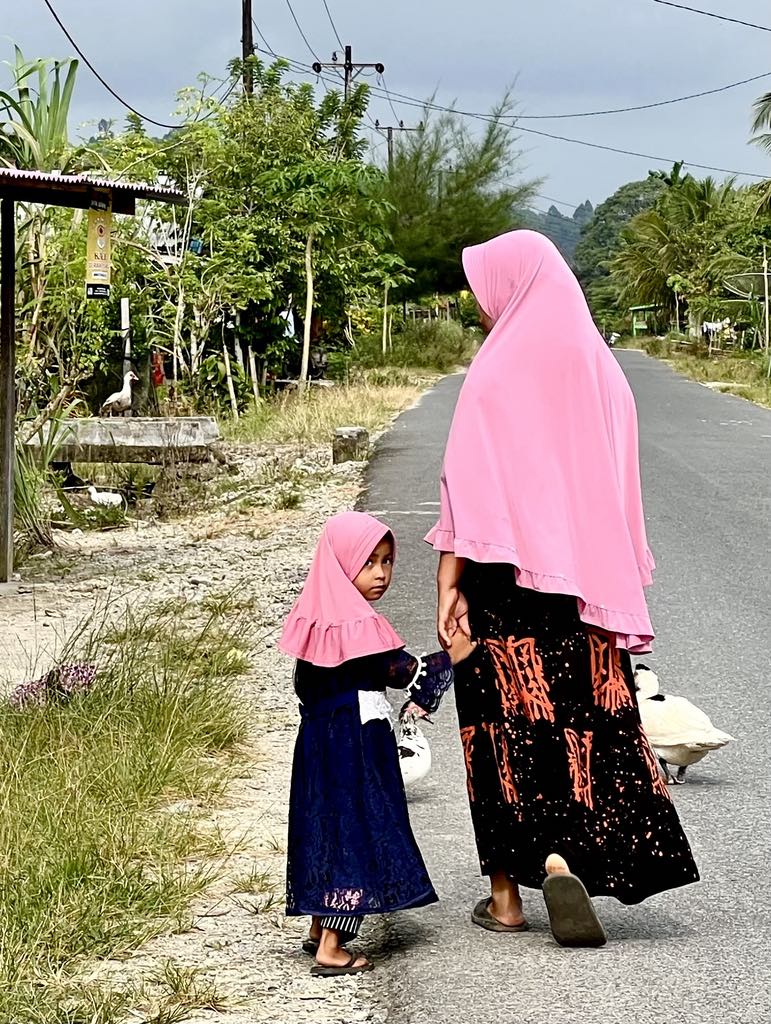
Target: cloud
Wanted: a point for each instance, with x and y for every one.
(562, 54)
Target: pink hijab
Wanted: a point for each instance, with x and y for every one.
(541, 468)
(331, 622)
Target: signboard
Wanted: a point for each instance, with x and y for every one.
(98, 247)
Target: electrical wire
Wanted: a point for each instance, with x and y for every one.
(95, 73)
(413, 101)
(381, 78)
(332, 23)
(644, 106)
(711, 14)
(300, 30)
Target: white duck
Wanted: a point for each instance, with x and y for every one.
(679, 732)
(107, 499)
(414, 751)
(120, 401)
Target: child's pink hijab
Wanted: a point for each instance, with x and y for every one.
(331, 622)
(541, 467)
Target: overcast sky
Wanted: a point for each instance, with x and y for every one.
(564, 55)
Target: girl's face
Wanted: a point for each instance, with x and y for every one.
(375, 578)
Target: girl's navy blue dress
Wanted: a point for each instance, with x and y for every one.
(351, 850)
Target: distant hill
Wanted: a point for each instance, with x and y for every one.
(563, 229)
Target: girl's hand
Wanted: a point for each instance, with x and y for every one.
(461, 646)
(452, 615)
(411, 708)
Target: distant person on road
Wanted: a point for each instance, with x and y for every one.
(543, 561)
(351, 850)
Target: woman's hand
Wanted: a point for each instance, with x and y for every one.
(452, 615)
(461, 646)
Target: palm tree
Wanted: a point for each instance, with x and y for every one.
(665, 243)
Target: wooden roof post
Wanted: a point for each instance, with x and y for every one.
(7, 382)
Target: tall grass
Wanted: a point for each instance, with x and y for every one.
(734, 372)
(437, 345)
(90, 847)
(313, 416)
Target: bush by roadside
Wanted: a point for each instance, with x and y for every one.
(97, 800)
(734, 372)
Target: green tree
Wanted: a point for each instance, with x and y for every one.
(449, 188)
(680, 242)
(602, 236)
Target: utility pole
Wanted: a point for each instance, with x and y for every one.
(388, 131)
(351, 70)
(247, 45)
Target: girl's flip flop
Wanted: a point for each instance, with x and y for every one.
(310, 946)
(320, 971)
(573, 919)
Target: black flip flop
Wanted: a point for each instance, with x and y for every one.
(573, 919)
(310, 946)
(320, 971)
(481, 915)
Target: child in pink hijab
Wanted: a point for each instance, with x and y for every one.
(351, 850)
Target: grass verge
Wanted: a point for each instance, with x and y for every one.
(313, 417)
(738, 373)
(93, 847)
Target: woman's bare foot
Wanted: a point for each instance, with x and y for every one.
(556, 865)
(506, 902)
(315, 932)
(331, 953)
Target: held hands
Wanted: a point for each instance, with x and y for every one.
(461, 646)
(452, 618)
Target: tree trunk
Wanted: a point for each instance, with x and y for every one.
(385, 320)
(308, 310)
(253, 375)
(229, 379)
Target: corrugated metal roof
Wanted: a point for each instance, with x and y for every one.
(10, 176)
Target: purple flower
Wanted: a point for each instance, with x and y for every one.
(57, 686)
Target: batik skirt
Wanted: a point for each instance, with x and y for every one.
(556, 757)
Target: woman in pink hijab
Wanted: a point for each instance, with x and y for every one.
(543, 560)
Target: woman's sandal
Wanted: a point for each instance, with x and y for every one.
(320, 971)
(573, 919)
(481, 915)
(311, 946)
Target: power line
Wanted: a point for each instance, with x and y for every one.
(711, 14)
(268, 48)
(95, 73)
(644, 106)
(300, 30)
(427, 105)
(643, 156)
(332, 23)
(413, 101)
(388, 94)
(559, 202)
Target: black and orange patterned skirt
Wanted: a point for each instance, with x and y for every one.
(556, 758)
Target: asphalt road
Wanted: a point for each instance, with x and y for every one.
(693, 955)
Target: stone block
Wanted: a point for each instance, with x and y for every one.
(351, 444)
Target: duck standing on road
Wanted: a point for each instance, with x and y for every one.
(680, 733)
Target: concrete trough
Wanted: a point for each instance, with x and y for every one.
(153, 440)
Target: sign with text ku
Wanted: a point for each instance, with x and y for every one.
(98, 247)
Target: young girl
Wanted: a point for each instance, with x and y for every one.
(351, 848)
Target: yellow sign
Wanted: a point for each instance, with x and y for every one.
(98, 249)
